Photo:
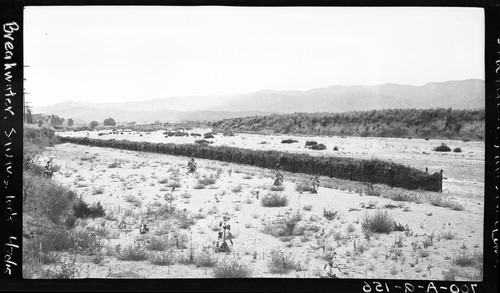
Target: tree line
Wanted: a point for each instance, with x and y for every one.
(412, 123)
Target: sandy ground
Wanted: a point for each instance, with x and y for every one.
(392, 256)
(463, 172)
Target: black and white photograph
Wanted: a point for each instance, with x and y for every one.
(172, 142)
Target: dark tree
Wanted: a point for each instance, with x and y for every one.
(70, 122)
(94, 124)
(109, 122)
(56, 120)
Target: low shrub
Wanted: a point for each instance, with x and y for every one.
(203, 141)
(132, 253)
(289, 141)
(45, 197)
(277, 188)
(380, 222)
(457, 150)
(440, 202)
(198, 186)
(113, 165)
(402, 197)
(81, 209)
(237, 188)
(274, 200)
(372, 191)
(330, 215)
(56, 240)
(311, 142)
(185, 220)
(162, 258)
(318, 147)
(468, 259)
(157, 243)
(98, 190)
(205, 258)
(335, 148)
(283, 227)
(303, 186)
(442, 148)
(232, 269)
(174, 184)
(282, 263)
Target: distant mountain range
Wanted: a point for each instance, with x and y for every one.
(463, 94)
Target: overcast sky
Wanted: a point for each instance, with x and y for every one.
(113, 54)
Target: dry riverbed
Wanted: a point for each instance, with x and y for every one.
(435, 242)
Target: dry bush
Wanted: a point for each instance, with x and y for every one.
(157, 243)
(81, 209)
(274, 200)
(133, 253)
(467, 259)
(439, 201)
(237, 188)
(442, 148)
(162, 258)
(45, 197)
(282, 263)
(276, 188)
(207, 181)
(379, 222)
(232, 269)
(114, 165)
(174, 184)
(205, 258)
(284, 227)
(303, 186)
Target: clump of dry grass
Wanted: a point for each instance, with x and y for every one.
(114, 165)
(274, 200)
(379, 222)
(467, 259)
(276, 188)
(133, 253)
(98, 190)
(439, 201)
(206, 181)
(282, 263)
(232, 269)
(162, 258)
(133, 200)
(284, 227)
(237, 188)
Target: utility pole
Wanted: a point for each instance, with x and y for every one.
(27, 118)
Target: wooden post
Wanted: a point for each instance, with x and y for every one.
(427, 170)
(441, 181)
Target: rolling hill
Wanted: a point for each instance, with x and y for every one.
(463, 94)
